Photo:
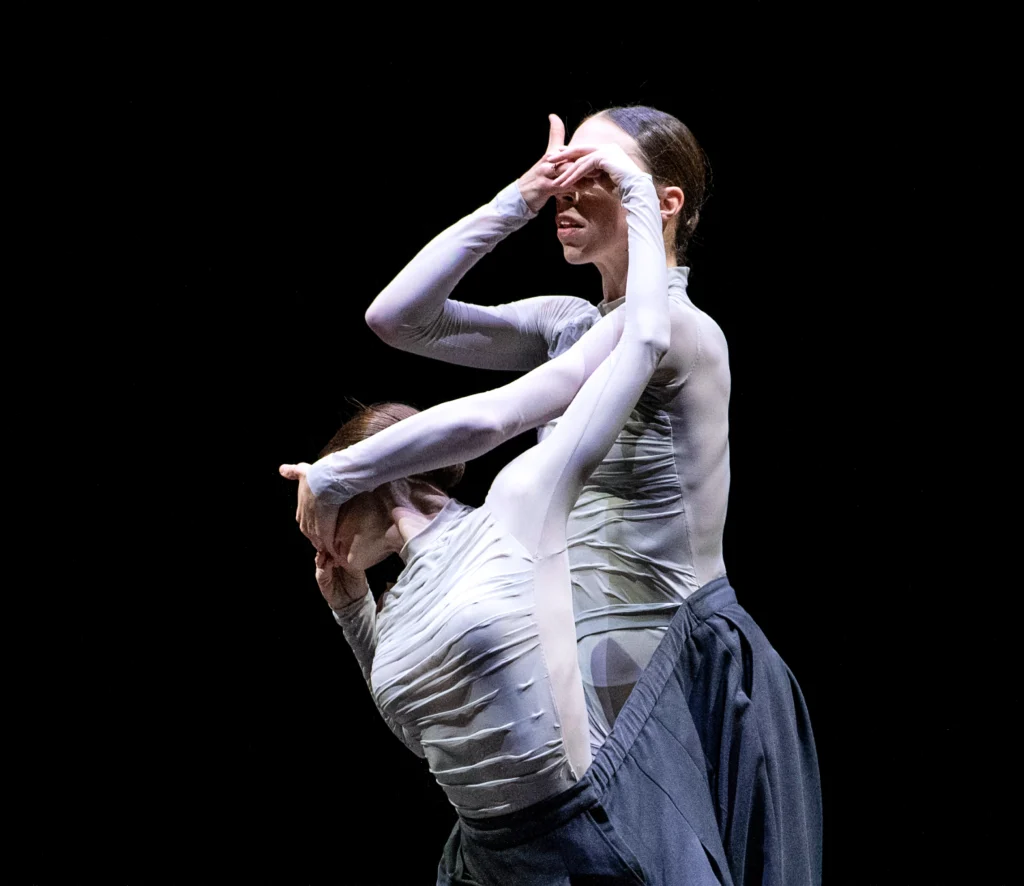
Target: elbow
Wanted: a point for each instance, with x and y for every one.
(382, 322)
(661, 346)
(655, 342)
(483, 429)
(489, 429)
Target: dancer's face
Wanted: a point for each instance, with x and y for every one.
(598, 232)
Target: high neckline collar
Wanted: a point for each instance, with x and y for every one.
(677, 280)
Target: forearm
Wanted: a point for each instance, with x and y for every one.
(413, 312)
(599, 411)
(646, 305)
(358, 621)
(536, 492)
(446, 434)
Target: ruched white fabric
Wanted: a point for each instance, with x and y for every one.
(459, 665)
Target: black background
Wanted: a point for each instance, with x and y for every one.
(187, 708)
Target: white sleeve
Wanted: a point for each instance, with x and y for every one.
(535, 493)
(358, 622)
(414, 313)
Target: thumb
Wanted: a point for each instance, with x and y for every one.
(556, 134)
(293, 472)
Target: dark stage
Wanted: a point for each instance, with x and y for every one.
(193, 714)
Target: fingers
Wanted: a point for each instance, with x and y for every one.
(594, 159)
(587, 167)
(565, 160)
(329, 548)
(564, 153)
(556, 133)
(325, 524)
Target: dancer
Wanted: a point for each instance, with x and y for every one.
(646, 532)
(472, 656)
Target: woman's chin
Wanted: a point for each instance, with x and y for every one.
(573, 254)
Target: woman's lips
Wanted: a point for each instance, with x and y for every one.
(568, 232)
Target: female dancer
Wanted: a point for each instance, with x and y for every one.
(646, 532)
(472, 657)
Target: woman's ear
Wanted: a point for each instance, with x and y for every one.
(672, 200)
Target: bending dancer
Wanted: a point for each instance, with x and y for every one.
(472, 657)
(646, 532)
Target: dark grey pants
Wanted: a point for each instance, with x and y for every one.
(709, 777)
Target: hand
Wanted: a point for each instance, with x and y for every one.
(339, 586)
(590, 162)
(537, 183)
(317, 520)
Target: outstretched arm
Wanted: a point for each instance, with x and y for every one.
(414, 312)
(456, 431)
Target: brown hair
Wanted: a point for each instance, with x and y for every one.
(370, 420)
(674, 157)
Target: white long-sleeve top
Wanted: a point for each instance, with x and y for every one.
(458, 659)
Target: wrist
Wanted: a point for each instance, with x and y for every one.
(352, 585)
(532, 196)
(342, 590)
(353, 610)
(327, 488)
(633, 179)
(347, 594)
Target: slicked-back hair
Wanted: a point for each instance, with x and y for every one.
(674, 158)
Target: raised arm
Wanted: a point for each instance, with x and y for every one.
(535, 493)
(414, 312)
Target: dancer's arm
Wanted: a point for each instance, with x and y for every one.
(414, 313)
(535, 493)
(349, 597)
(456, 431)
